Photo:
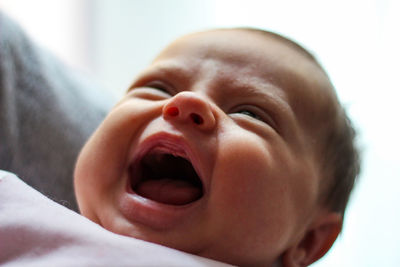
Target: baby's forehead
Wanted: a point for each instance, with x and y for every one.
(243, 54)
(274, 57)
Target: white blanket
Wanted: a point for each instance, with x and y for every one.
(36, 231)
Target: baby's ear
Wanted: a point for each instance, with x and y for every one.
(316, 241)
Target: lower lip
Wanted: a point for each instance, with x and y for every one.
(159, 216)
(156, 215)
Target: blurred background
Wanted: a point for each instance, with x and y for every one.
(357, 41)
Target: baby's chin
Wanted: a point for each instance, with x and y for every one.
(176, 239)
(195, 246)
(182, 236)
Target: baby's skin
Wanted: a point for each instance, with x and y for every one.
(212, 152)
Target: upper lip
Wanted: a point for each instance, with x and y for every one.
(172, 144)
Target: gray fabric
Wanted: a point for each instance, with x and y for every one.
(46, 114)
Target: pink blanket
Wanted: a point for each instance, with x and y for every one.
(35, 231)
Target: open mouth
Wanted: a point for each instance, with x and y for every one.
(166, 178)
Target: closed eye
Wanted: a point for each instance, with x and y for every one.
(153, 90)
(254, 113)
(249, 113)
(161, 86)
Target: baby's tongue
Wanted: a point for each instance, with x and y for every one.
(169, 191)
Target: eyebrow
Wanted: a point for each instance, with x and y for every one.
(270, 91)
(262, 89)
(166, 70)
(270, 96)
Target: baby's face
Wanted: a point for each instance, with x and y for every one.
(209, 152)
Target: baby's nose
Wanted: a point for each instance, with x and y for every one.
(190, 108)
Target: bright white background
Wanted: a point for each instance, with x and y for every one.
(357, 41)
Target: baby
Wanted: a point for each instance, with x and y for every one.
(232, 145)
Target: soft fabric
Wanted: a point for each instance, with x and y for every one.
(47, 111)
(36, 231)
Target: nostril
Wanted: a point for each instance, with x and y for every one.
(173, 111)
(196, 118)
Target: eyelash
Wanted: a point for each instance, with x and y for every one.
(249, 113)
(157, 85)
(255, 114)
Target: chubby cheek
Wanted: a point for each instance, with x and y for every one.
(102, 163)
(250, 187)
(98, 167)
